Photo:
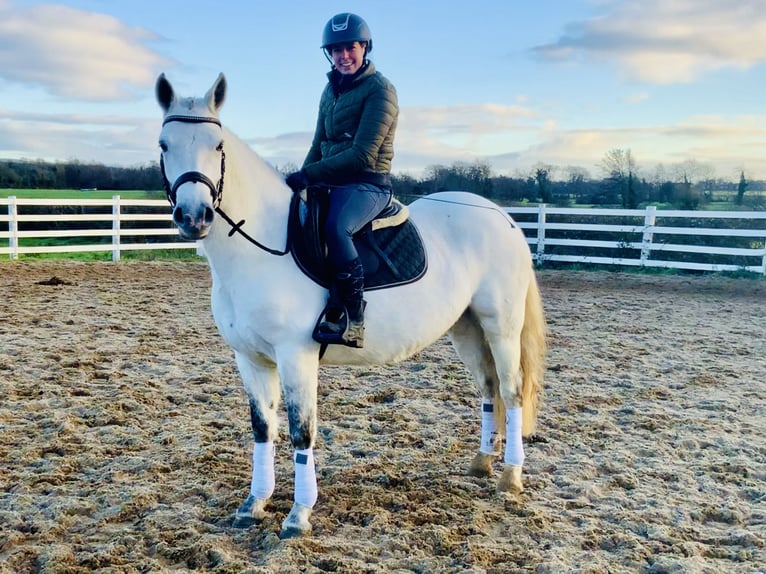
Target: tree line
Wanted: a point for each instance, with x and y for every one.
(38, 174)
(686, 186)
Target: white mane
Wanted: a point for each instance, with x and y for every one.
(244, 166)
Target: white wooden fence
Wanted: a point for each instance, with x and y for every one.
(694, 240)
(99, 218)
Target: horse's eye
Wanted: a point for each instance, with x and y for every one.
(163, 146)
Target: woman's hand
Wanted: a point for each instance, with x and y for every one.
(298, 181)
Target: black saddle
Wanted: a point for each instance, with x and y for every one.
(390, 246)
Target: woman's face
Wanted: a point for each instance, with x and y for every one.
(348, 58)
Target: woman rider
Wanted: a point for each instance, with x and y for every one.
(351, 153)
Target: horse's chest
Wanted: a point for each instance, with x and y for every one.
(235, 321)
(253, 316)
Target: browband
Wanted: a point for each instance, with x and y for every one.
(192, 119)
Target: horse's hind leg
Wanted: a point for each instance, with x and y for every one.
(518, 343)
(262, 387)
(513, 328)
(468, 338)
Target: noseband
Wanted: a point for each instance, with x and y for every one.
(216, 192)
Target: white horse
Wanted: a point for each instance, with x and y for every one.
(479, 288)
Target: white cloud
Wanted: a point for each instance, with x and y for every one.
(461, 132)
(426, 138)
(728, 144)
(637, 98)
(669, 41)
(111, 140)
(75, 54)
(481, 118)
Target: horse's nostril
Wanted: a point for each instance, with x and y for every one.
(178, 216)
(209, 214)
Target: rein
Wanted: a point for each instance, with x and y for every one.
(216, 192)
(237, 228)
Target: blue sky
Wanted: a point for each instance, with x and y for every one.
(514, 84)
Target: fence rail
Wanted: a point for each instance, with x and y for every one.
(127, 224)
(693, 240)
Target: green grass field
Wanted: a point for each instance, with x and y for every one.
(77, 194)
(91, 256)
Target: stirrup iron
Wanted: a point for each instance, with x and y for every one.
(343, 331)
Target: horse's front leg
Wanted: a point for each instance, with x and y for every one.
(298, 370)
(261, 381)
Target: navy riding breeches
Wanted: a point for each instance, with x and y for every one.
(352, 207)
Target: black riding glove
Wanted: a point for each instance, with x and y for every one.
(298, 181)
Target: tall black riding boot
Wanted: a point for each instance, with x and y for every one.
(348, 327)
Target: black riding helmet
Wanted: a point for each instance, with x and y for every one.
(346, 27)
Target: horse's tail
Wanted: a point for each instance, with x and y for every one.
(533, 351)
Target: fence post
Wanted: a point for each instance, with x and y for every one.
(13, 227)
(540, 234)
(116, 228)
(763, 266)
(650, 218)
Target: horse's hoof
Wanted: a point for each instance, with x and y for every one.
(250, 512)
(292, 532)
(510, 480)
(242, 522)
(297, 522)
(481, 465)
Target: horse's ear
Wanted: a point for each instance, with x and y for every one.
(164, 92)
(217, 94)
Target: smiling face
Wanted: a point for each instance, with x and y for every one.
(348, 57)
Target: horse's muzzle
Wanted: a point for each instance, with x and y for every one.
(193, 224)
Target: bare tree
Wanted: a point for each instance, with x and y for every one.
(618, 163)
(543, 185)
(741, 188)
(576, 173)
(619, 166)
(692, 171)
(576, 178)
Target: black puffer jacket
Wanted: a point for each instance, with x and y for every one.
(354, 136)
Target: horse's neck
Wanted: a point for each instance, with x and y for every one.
(254, 192)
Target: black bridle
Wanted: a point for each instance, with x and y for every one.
(216, 191)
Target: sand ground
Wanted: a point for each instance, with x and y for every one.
(125, 440)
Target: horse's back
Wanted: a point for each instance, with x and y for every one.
(468, 226)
